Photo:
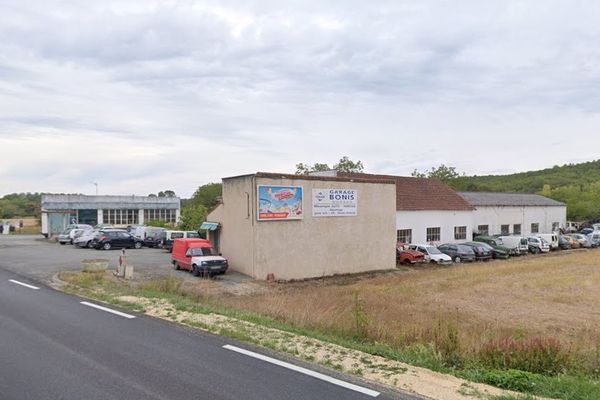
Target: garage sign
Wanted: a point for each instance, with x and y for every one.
(335, 202)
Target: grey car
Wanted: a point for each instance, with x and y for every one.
(457, 252)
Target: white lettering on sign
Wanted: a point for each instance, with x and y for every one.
(335, 202)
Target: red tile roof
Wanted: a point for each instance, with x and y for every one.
(419, 193)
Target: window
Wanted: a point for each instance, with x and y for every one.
(120, 217)
(504, 229)
(433, 234)
(483, 229)
(535, 227)
(460, 232)
(404, 235)
(517, 229)
(166, 215)
(555, 226)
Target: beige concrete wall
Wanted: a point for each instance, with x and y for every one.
(321, 246)
(313, 246)
(236, 233)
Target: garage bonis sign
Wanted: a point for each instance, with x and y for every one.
(276, 203)
(335, 202)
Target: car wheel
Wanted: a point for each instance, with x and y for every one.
(106, 246)
(89, 244)
(457, 259)
(176, 266)
(195, 271)
(536, 250)
(62, 243)
(137, 245)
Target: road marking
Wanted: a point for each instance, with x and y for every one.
(24, 284)
(122, 314)
(304, 371)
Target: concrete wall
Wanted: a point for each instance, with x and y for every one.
(313, 246)
(236, 216)
(419, 221)
(495, 216)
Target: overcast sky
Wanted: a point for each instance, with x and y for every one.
(142, 96)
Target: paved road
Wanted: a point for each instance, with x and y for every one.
(54, 347)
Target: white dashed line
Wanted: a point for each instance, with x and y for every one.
(305, 371)
(119, 313)
(24, 284)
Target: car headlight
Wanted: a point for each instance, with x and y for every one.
(203, 263)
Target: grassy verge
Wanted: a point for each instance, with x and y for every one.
(498, 368)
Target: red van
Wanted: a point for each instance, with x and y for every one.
(197, 256)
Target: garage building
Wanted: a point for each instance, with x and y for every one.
(521, 214)
(58, 211)
(299, 226)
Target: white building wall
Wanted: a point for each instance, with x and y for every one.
(419, 221)
(495, 216)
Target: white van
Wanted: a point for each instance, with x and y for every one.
(170, 236)
(143, 232)
(551, 238)
(519, 242)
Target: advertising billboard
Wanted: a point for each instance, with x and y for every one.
(334, 202)
(279, 203)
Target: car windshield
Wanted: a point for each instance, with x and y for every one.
(544, 240)
(193, 235)
(202, 251)
(66, 231)
(433, 250)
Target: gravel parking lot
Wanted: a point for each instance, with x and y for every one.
(40, 259)
(33, 256)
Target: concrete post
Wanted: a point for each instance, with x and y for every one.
(100, 216)
(141, 216)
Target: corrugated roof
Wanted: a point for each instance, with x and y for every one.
(509, 199)
(414, 194)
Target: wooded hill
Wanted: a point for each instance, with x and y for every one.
(577, 185)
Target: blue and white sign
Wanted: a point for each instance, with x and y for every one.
(334, 202)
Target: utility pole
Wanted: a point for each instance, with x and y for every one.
(95, 184)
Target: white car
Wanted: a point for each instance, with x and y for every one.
(538, 245)
(85, 238)
(432, 254)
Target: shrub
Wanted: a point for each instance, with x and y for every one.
(512, 379)
(539, 355)
(361, 319)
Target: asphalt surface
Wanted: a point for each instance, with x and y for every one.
(54, 347)
(38, 258)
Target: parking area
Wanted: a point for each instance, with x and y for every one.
(38, 258)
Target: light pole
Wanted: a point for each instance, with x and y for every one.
(95, 184)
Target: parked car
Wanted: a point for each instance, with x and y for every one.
(170, 236)
(519, 242)
(582, 240)
(538, 245)
(574, 243)
(496, 253)
(408, 256)
(594, 238)
(142, 232)
(551, 238)
(68, 235)
(432, 254)
(154, 238)
(457, 252)
(564, 243)
(198, 257)
(482, 253)
(498, 244)
(110, 239)
(103, 226)
(84, 239)
(587, 231)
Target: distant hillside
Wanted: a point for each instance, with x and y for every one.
(578, 185)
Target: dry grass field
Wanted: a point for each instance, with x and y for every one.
(553, 296)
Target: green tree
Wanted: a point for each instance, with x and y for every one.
(443, 173)
(343, 165)
(194, 210)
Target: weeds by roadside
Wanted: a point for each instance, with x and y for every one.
(538, 366)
